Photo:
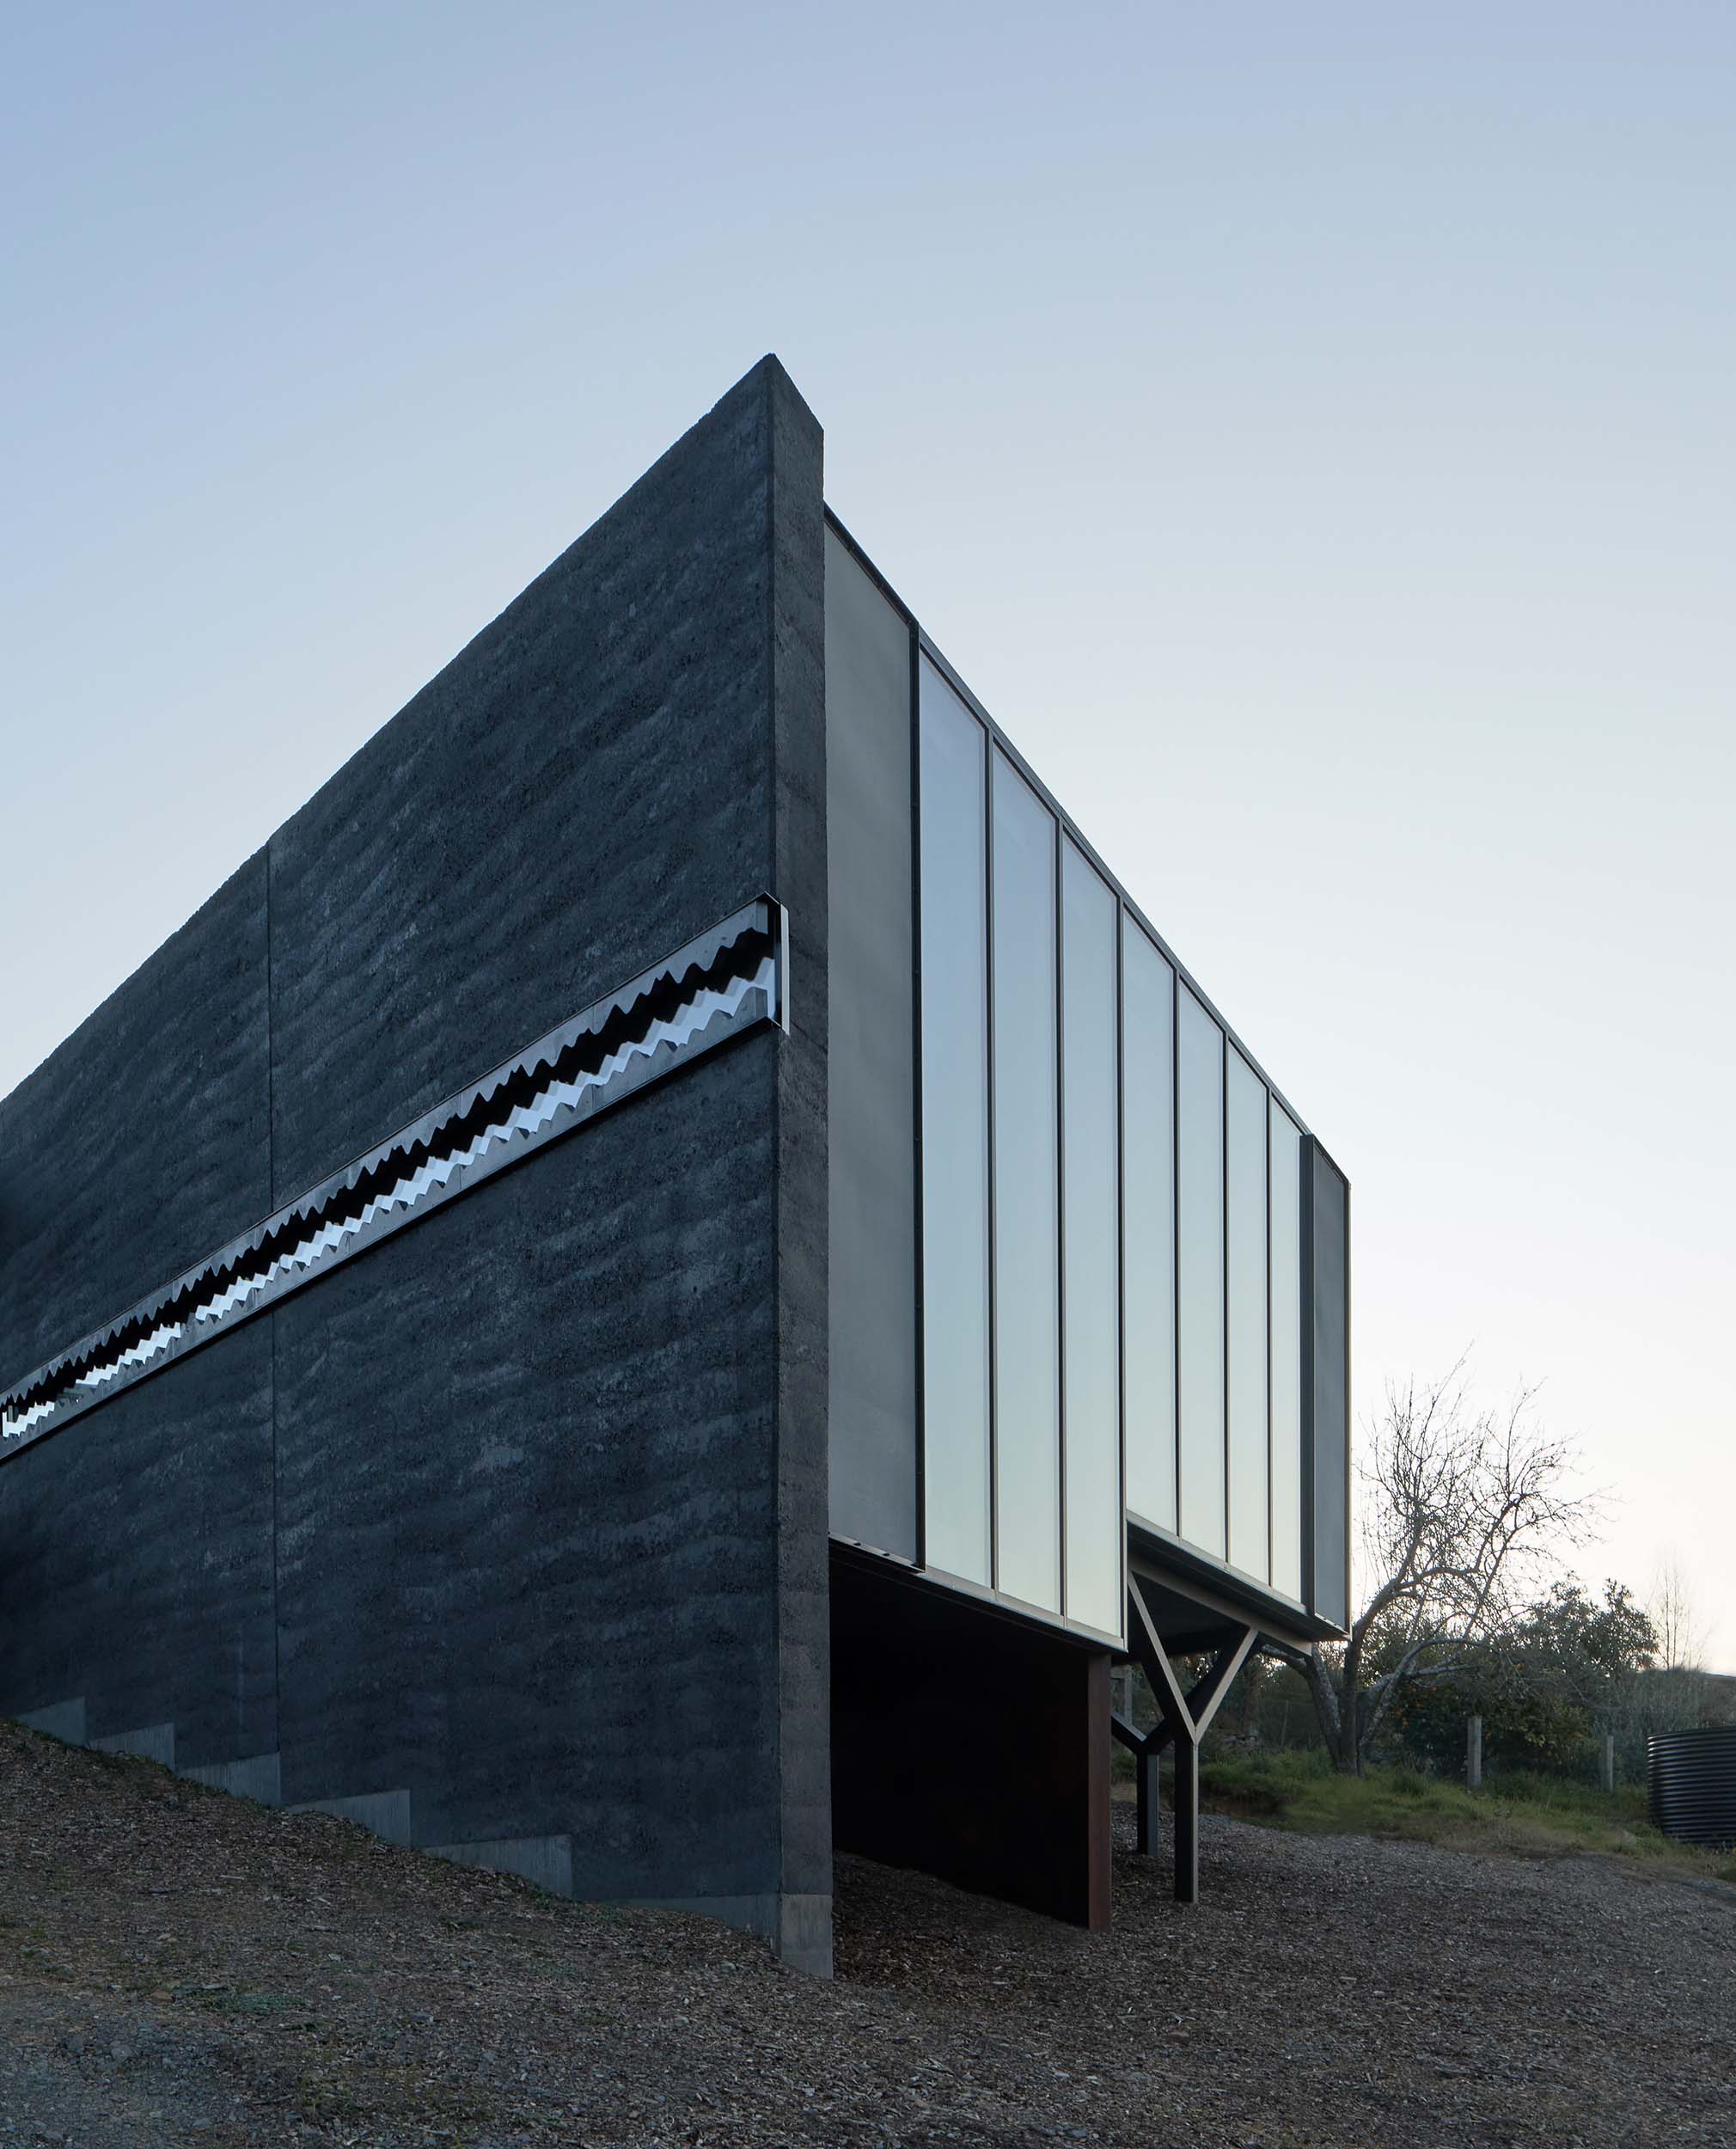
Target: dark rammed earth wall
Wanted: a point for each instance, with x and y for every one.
(521, 1513)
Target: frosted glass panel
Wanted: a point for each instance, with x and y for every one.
(955, 1134)
(1091, 1420)
(1112, 1201)
(1200, 1064)
(1245, 1223)
(1286, 1353)
(1148, 1164)
(1027, 1314)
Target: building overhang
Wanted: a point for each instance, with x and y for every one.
(898, 1570)
(1198, 1604)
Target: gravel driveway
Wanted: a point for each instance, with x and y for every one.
(176, 1967)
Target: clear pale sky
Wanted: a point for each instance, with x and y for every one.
(1310, 430)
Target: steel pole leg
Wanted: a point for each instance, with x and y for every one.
(1146, 1776)
(1187, 1821)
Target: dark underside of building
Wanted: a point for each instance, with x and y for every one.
(668, 1276)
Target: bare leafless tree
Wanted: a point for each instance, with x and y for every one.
(1461, 1510)
(1681, 1638)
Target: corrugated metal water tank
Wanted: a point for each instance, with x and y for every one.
(1693, 1785)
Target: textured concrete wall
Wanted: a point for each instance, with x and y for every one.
(136, 1551)
(588, 784)
(135, 1560)
(142, 1142)
(527, 1504)
(801, 1222)
(526, 1557)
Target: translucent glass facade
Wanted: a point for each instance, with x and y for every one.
(1286, 1213)
(1200, 1279)
(1245, 1308)
(1113, 1218)
(955, 1134)
(1027, 1251)
(1090, 1096)
(1148, 1223)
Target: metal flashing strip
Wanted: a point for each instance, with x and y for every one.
(730, 980)
(1160, 1557)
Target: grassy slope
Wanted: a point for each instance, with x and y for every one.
(1524, 1816)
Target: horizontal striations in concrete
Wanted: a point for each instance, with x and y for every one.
(584, 788)
(529, 1464)
(518, 1518)
(135, 1559)
(142, 1141)
(526, 1500)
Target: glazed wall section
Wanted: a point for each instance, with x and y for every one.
(1126, 1295)
(1326, 1381)
(484, 1528)
(871, 1119)
(1114, 1291)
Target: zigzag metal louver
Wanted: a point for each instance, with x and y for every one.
(732, 979)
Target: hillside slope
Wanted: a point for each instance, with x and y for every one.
(177, 1966)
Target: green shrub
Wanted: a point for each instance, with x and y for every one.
(1524, 1814)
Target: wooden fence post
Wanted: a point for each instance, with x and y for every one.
(1473, 1753)
(1609, 1765)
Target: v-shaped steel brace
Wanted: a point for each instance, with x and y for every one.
(1182, 1721)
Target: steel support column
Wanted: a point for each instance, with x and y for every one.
(1187, 1821)
(1183, 1718)
(1146, 1776)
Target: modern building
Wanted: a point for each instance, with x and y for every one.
(666, 1279)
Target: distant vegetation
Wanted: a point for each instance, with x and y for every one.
(1466, 1611)
(1465, 1515)
(1464, 1510)
(1526, 1814)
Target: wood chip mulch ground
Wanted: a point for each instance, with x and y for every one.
(177, 1966)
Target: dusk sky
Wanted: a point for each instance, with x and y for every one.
(1309, 431)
